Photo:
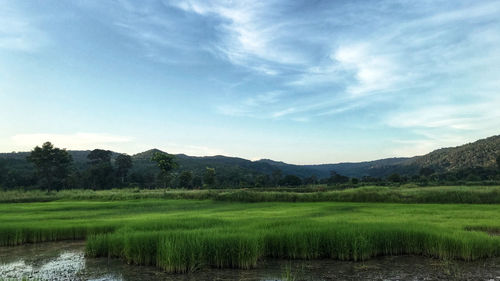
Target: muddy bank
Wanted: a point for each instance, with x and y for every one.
(66, 261)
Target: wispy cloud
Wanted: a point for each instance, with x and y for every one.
(192, 150)
(83, 141)
(373, 72)
(250, 35)
(252, 106)
(415, 59)
(18, 31)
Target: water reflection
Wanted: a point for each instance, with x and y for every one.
(66, 261)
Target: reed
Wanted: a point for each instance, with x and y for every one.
(184, 251)
(382, 194)
(184, 235)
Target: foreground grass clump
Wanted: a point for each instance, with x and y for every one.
(321, 193)
(183, 251)
(184, 235)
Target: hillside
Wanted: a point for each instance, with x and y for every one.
(481, 153)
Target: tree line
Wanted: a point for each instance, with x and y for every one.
(54, 169)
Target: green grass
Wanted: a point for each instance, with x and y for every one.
(185, 235)
(320, 193)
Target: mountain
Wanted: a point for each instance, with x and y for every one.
(481, 153)
(377, 168)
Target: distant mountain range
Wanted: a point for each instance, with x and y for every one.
(481, 153)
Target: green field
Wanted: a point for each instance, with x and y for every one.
(184, 235)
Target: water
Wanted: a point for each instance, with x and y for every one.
(66, 261)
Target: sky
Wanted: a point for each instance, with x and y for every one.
(304, 82)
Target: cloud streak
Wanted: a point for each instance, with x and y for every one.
(19, 32)
(71, 141)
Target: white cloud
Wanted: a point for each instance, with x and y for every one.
(373, 71)
(251, 106)
(83, 141)
(192, 150)
(18, 32)
(284, 112)
(444, 126)
(250, 35)
(410, 148)
(263, 99)
(477, 116)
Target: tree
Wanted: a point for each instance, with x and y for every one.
(262, 180)
(197, 181)
(3, 172)
(394, 178)
(98, 156)
(209, 177)
(498, 162)
(185, 179)
(101, 171)
(276, 176)
(337, 178)
(291, 180)
(426, 171)
(52, 165)
(123, 163)
(166, 163)
(311, 180)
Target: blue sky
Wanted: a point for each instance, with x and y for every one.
(297, 81)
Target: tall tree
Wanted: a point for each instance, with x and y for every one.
(291, 180)
(52, 165)
(99, 156)
(185, 179)
(3, 172)
(101, 172)
(394, 178)
(209, 177)
(498, 162)
(336, 178)
(276, 176)
(166, 163)
(123, 164)
(426, 171)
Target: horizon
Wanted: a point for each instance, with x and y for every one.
(254, 160)
(301, 83)
(229, 156)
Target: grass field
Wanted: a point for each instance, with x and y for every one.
(184, 235)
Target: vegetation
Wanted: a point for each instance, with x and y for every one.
(166, 163)
(317, 193)
(123, 165)
(52, 165)
(184, 235)
(46, 196)
(481, 153)
(102, 169)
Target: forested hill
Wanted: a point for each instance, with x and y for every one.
(481, 153)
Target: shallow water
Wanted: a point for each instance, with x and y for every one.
(66, 261)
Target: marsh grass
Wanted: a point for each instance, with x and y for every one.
(185, 235)
(403, 194)
(186, 250)
(288, 274)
